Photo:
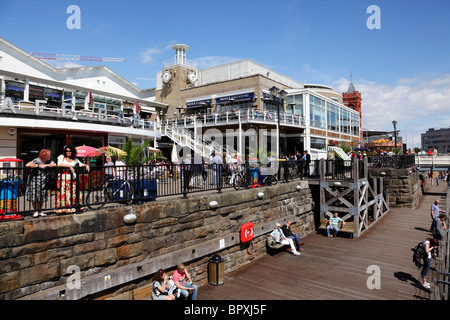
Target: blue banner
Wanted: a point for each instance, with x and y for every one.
(236, 97)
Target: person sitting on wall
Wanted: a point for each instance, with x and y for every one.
(333, 225)
(179, 277)
(286, 228)
(279, 237)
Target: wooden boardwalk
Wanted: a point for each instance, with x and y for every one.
(337, 268)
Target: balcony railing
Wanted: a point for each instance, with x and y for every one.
(234, 117)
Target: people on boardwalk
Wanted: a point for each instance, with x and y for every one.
(110, 169)
(66, 194)
(306, 161)
(161, 287)
(286, 228)
(217, 163)
(333, 225)
(196, 179)
(184, 282)
(233, 164)
(440, 226)
(36, 191)
(279, 237)
(435, 211)
(429, 245)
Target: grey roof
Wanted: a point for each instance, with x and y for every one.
(351, 88)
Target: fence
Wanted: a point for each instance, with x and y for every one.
(58, 190)
(441, 283)
(401, 161)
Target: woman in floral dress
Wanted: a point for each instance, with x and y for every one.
(66, 195)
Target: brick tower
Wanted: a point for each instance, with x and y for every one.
(352, 99)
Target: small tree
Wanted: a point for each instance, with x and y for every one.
(344, 147)
(135, 154)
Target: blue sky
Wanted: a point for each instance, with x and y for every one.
(402, 69)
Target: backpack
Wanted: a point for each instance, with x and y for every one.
(418, 254)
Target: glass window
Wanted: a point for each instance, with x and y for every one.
(318, 143)
(345, 121)
(294, 104)
(317, 112)
(355, 124)
(332, 117)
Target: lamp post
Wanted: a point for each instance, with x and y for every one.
(281, 95)
(395, 133)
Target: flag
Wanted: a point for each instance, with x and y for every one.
(88, 97)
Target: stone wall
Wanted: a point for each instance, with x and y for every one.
(402, 185)
(96, 255)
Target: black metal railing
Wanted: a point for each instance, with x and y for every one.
(395, 161)
(58, 190)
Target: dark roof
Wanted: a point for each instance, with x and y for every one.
(351, 88)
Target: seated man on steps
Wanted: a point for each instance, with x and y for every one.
(286, 228)
(279, 237)
(333, 224)
(185, 288)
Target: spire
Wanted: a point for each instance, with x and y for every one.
(351, 88)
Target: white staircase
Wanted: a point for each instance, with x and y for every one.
(201, 144)
(339, 152)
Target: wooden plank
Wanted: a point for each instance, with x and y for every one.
(336, 268)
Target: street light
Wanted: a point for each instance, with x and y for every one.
(395, 133)
(281, 95)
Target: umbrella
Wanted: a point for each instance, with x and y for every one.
(430, 152)
(153, 150)
(86, 151)
(174, 154)
(10, 160)
(113, 151)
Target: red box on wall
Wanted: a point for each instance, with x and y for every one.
(247, 232)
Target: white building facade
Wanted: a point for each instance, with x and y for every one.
(46, 107)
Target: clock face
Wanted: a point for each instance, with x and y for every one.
(192, 77)
(166, 77)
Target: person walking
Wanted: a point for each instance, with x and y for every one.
(306, 161)
(429, 245)
(435, 211)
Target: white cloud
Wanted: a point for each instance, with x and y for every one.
(147, 56)
(416, 105)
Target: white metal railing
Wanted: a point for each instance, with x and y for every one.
(174, 61)
(185, 137)
(432, 161)
(243, 116)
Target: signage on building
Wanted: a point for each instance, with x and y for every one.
(197, 103)
(236, 97)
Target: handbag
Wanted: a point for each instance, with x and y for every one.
(51, 178)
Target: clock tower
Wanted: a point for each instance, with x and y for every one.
(178, 73)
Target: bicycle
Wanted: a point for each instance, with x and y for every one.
(241, 180)
(112, 190)
(270, 180)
